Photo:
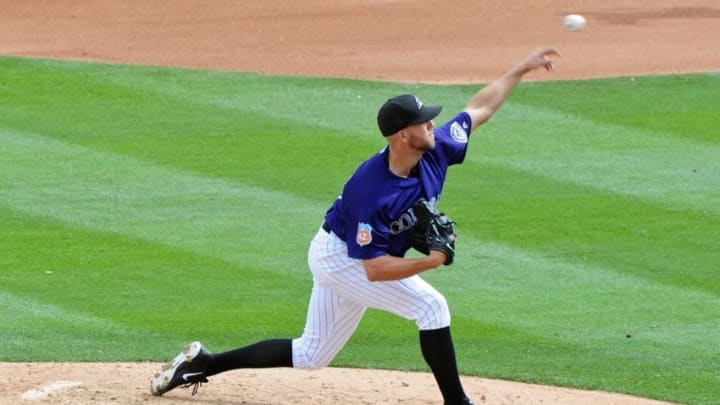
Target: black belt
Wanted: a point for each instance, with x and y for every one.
(326, 227)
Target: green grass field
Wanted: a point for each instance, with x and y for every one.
(142, 208)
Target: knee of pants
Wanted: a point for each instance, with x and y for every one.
(434, 313)
(307, 354)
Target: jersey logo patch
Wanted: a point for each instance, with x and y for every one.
(364, 234)
(458, 133)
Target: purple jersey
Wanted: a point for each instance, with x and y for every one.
(373, 214)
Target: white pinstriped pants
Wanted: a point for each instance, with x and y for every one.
(341, 293)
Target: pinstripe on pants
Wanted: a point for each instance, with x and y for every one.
(340, 295)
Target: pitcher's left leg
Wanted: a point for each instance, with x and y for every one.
(331, 321)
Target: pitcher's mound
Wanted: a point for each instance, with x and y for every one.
(129, 383)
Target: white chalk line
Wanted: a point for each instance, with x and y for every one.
(43, 392)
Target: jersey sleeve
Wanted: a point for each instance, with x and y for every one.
(366, 236)
(452, 138)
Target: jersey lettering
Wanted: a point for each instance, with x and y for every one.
(406, 221)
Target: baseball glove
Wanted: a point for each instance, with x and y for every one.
(433, 230)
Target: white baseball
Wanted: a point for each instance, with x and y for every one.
(574, 22)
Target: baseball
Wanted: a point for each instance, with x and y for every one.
(574, 22)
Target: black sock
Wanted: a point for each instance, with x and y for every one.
(264, 354)
(439, 352)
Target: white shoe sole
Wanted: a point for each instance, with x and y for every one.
(160, 381)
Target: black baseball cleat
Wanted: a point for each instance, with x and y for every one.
(186, 369)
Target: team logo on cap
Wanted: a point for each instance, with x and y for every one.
(364, 234)
(418, 103)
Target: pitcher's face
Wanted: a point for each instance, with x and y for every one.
(421, 136)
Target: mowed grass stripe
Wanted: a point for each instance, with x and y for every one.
(520, 310)
(200, 129)
(118, 194)
(666, 168)
(171, 96)
(314, 105)
(684, 105)
(570, 300)
(154, 204)
(624, 363)
(321, 104)
(171, 293)
(62, 334)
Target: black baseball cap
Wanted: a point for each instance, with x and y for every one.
(402, 111)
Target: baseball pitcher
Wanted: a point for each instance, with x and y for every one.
(357, 257)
